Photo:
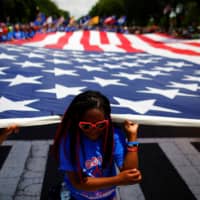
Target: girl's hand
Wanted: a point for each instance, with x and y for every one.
(131, 130)
(130, 176)
(11, 129)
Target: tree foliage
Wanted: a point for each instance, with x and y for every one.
(139, 12)
(26, 10)
(192, 13)
(51, 9)
(108, 7)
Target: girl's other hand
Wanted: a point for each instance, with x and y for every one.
(131, 130)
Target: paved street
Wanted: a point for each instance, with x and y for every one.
(170, 168)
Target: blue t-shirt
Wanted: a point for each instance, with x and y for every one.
(91, 164)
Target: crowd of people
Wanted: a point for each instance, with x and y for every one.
(42, 24)
(15, 32)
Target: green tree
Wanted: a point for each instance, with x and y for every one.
(50, 9)
(139, 12)
(108, 7)
(25, 10)
(191, 14)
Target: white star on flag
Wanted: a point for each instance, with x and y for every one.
(165, 69)
(34, 55)
(59, 55)
(2, 69)
(15, 49)
(112, 66)
(19, 79)
(117, 58)
(130, 64)
(131, 76)
(41, 51)
(62, 91)
(152, 73)
(171, 94)
(178, 64)
(7, 56)
(91, 68)
(59, 61)
(27, 64)
(7, 105)
(99, 59)
(109, 54)
(130, 56)
(140, 107)
(62, 72)
(192, 78)
(192, 87)
(145, 61)
(156, 58)
(105, 82)
(83, 60)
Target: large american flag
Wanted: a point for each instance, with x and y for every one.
(149, 78)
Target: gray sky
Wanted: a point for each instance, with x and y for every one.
(76, 8)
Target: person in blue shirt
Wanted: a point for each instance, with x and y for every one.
(88, 147)
(18, 33)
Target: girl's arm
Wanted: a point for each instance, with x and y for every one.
(125, 177)
(131, 157)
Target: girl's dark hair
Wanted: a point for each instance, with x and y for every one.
(69, 127)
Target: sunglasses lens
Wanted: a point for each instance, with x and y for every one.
(101, 125)
(85, 126)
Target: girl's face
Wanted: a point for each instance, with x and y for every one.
(93, 123)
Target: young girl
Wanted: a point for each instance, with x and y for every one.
(88, 147)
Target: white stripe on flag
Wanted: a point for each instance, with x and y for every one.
(74, 41)
(184, 46)
(111, 46)
(172, 42)
(142, 45)
(95, 38)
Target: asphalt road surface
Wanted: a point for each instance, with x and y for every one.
(169, 161)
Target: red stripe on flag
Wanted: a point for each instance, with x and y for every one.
(196, 44)
(161, 45)
(126, 44)
(86, 44)
(37, 38)
(104, 38)
(61, 42)
(164, 35)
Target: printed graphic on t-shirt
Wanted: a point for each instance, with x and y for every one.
(93, 166)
